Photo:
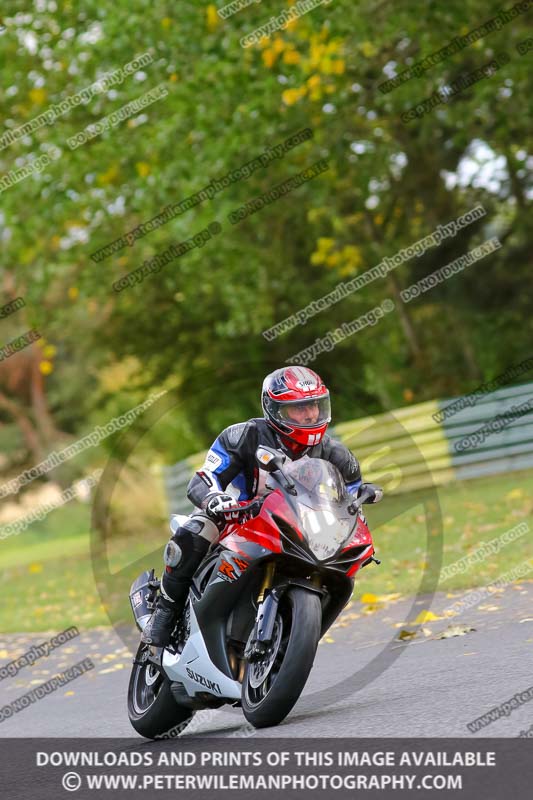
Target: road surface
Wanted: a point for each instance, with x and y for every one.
(365, 682)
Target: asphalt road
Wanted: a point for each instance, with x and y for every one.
(365, 681)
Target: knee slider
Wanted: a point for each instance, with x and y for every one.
(172, 555)
(185, 549)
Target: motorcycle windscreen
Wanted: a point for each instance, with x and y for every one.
(321, 505)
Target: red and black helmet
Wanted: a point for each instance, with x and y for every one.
(296, 404)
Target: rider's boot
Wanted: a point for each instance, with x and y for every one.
(183, 555)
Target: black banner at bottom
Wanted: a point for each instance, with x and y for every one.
(40, 769)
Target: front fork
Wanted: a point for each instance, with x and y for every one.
(261, 635)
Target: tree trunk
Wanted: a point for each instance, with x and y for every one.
(40, 408)
(405, 321)
(27, 429)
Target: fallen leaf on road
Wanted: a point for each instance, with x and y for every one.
(369, 598)
(454, 630)
(425, 616)
(426, 631)
(527, 619)
(406, 635)
(388, 598)
(371, 607)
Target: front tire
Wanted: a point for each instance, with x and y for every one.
(152, 710)
(272, 685)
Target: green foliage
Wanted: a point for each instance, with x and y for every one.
(198, 322)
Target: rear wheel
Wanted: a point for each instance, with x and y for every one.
(152, 710)
(273, 684)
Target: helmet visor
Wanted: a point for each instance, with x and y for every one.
(309, 413)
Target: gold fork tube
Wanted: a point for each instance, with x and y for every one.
(267, 581)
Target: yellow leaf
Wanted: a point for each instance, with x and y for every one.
(333, 259)
(73, 292)
(38, 96)
(404, 634)
(291, 57)
(213, 20)
(369, 598)
(324, 244)
(35, 567)
(143, 169)
(370, 608)
(291, 96)
(426, 616)
(352, 254)
(269, 58)
(46, 367)
(108, 176)
(166, 22)
(515, 494)
(69, 693)
(367, 49)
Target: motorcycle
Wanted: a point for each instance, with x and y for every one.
(280, 574)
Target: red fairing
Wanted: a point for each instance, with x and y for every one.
(360, 537)
(261, 529)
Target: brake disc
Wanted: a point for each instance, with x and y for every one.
(258, 670)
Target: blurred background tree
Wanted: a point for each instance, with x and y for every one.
(196, 326)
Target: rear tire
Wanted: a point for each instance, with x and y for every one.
(152, 710)
(288, 664)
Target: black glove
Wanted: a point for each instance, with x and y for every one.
(217, 503)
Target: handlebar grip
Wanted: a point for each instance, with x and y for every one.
(254, 506)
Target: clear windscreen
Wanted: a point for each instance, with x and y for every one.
(320, 504)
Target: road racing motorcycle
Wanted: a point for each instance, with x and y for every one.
(260, 601)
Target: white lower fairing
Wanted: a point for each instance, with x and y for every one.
(195, 670)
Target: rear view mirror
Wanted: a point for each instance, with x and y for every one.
(370, 493)
(269, 459)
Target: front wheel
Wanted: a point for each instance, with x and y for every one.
(273, 684)
(152, 710)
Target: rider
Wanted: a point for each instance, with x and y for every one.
(297, 412)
